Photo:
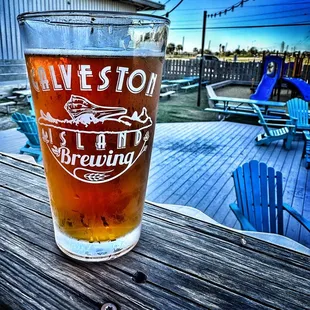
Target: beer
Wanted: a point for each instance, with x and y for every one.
(96, 118)
(95, 81)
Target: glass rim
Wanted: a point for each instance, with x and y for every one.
(142, 19)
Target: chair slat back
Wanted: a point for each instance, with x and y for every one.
(249, 192)
(299, 109)
(256, 194)
(261, 118)
(280, 202)
(272, 200)
(264, 196)
(259, 196)
(27, 125)
(30, 99)
(241, 191)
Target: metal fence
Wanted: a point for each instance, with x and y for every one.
(217, 71)
(213, 71)
(10, 42)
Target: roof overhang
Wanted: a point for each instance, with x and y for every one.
(144, 5)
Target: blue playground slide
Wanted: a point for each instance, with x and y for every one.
(264, 88)
(271, 74)
(302, 86)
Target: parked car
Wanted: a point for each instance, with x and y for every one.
(208, 57)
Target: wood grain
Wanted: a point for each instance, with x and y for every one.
(189, 264)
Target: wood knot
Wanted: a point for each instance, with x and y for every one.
(108, 306)
(139, 277)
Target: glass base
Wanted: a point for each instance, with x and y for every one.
(96, 252)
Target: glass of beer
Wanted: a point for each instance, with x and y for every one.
(95, 81)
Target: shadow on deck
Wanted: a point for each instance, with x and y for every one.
(192, 165)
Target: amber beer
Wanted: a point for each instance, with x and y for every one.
(96, 118)
(95, 90)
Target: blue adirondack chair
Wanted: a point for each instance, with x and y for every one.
(30, 100)
(299, 109)
(27, 126)
(285, 131)
(260, 204)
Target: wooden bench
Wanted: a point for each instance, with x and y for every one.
(7, 105)
(245, 108)
(191, 86)
(248, 101)
(239, 112)
(187, 87)
(167, 94)
(277, 111)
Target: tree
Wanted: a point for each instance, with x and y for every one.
(223, 49)
(179, 48)
(170, 48)
(195, 50)
(253, 51)
(237, 51)
(227, 53)
(207, 51)
(243, 52)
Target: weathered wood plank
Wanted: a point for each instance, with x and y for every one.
(100, 283)
(214, 184)
(152, 231)
(184, 159)
(188, 180)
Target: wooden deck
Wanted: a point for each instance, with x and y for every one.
(192, 165)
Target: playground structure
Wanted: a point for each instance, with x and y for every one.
(277, 73)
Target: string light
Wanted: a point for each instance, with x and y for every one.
(232, 9)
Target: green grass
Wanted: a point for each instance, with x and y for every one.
(182, 107)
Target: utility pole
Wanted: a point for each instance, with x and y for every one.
(202, 60)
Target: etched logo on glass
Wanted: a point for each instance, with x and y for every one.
(108, 140)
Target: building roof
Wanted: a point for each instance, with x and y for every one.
(144, 5)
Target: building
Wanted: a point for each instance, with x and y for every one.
(12, 65)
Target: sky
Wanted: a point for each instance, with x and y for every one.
(254, 12)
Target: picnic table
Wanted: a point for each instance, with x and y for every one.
(179, 263)
(23, 92)
(180, 82)
(242, 106)
(166, 90)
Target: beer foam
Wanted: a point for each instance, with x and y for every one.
(95, 52)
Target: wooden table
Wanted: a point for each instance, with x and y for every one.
(189, 264)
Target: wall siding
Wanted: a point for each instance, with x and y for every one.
(10, 42)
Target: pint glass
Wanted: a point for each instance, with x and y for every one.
(95, 80)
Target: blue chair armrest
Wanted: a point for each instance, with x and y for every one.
(304, 222)
(245, 224)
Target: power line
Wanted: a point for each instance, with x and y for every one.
(193, 21)
(254, 15)
(167, 14)
(244, 27)
(252, 6)
(268, 18)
